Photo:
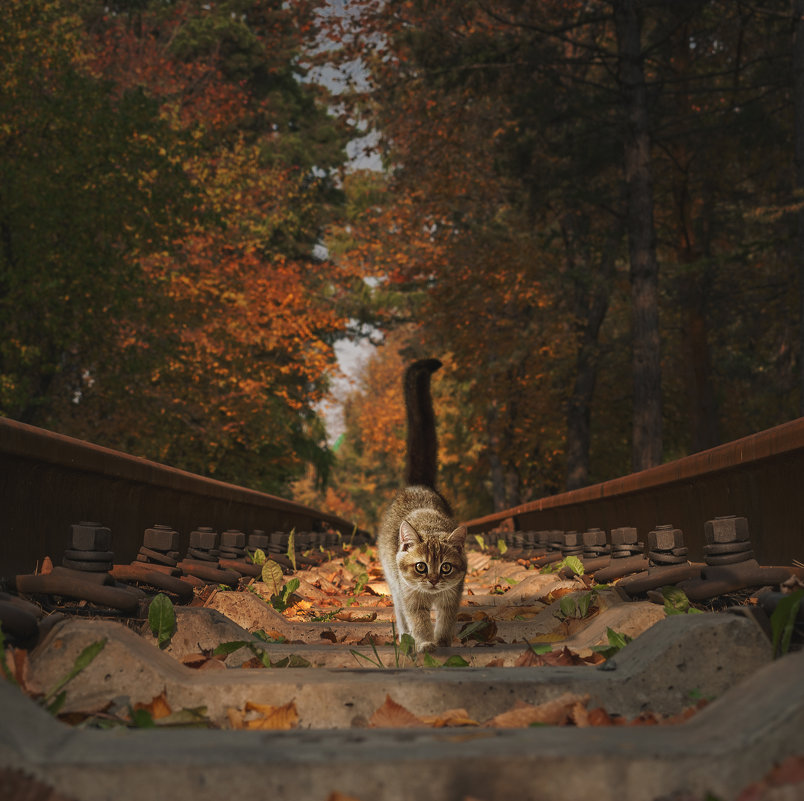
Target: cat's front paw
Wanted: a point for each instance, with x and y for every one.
(425, 646)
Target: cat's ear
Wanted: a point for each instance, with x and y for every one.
(458, 537)
(407, 535)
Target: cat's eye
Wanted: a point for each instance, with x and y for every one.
(420, 567)
(446, 569)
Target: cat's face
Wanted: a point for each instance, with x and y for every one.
(431, 564)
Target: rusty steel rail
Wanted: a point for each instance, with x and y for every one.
(760, 477)
(49, 481)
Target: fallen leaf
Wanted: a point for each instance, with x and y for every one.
(356, 617)
(21, 666)
(554, 713)
(195, 661)
(254, 663)
(329, 635)
(452, 717)
(498, 662)
(235, 717)
(393, 715)
(47, 566)
(598, 717)
(564, 657)
(336, 796)
(157, 708)
(272, 717)
(481, 629)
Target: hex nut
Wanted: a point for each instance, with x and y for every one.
(572, 539)
(594, 537)
(258, 539)
(726, 529)
(624, 536)
(233, 539)
(204, 538)
(91, 537)
(161, 538)
(665, 538)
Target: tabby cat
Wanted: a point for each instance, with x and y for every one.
(421, 547)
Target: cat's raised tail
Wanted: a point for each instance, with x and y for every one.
(422, 453)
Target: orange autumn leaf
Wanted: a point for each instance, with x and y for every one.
(157, 708)
(452, 717)
(277, 718)
(393, 715)
(553, 713)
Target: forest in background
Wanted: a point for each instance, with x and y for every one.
(591, 211)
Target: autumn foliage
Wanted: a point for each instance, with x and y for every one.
(189, 173)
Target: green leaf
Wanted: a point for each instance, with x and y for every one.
(574, 564)
(481, 542)
(292, 547)
(616, 639)
(141, 719)
(291, 661)
(783, 621)
(456, 661)
(162, 619)
(261, 635)
(540, 647)
(226, 648)
(429, 660)
(471, 628)
(272, 575)
(83, 660)
(289, 589)
(58, 702)
(360, 583)
(675, 600)
(584, 603)
(501, 546)
(568, 606)
(407, 645)
(258, 557)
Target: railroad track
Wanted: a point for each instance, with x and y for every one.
(331, 706)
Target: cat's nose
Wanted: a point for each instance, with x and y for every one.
(434, 580)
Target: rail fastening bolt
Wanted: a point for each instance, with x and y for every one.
(91, 537)
(728, 528)
(161, 538)
(665, 538)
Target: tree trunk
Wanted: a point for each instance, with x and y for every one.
(647, 399)
(592, 291)
(798, 127)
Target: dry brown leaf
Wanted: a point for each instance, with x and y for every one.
(195, 661)
(498, 662)
(557, 593)
(393, 715)
(158, 707)
(336, 796)
(329, 634)
(598, 717)
(356, 617)
(47, 566)
(485, 633)
(452, 717)
(255, 663)
(272, 717)
(554, 713)
(235, 717)
(579, 715)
